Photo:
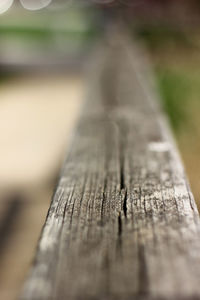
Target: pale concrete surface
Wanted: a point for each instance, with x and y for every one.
(36, 118)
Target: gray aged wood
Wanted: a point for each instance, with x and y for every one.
(122, 223)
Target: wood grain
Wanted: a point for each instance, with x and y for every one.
(122, 223)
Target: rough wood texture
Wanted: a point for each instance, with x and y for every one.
(122, 223)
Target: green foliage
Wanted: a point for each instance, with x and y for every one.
(39, 32)
(42, 28)
(5, 76)
(174, 88)
(160, 36)
(178, 83)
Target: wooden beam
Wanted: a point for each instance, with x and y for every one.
(122, 223)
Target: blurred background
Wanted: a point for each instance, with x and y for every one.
(44, 54)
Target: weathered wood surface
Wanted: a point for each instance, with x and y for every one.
(122, 223)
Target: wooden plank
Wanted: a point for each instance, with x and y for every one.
(122, 223)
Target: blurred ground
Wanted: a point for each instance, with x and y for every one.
(37, 114)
